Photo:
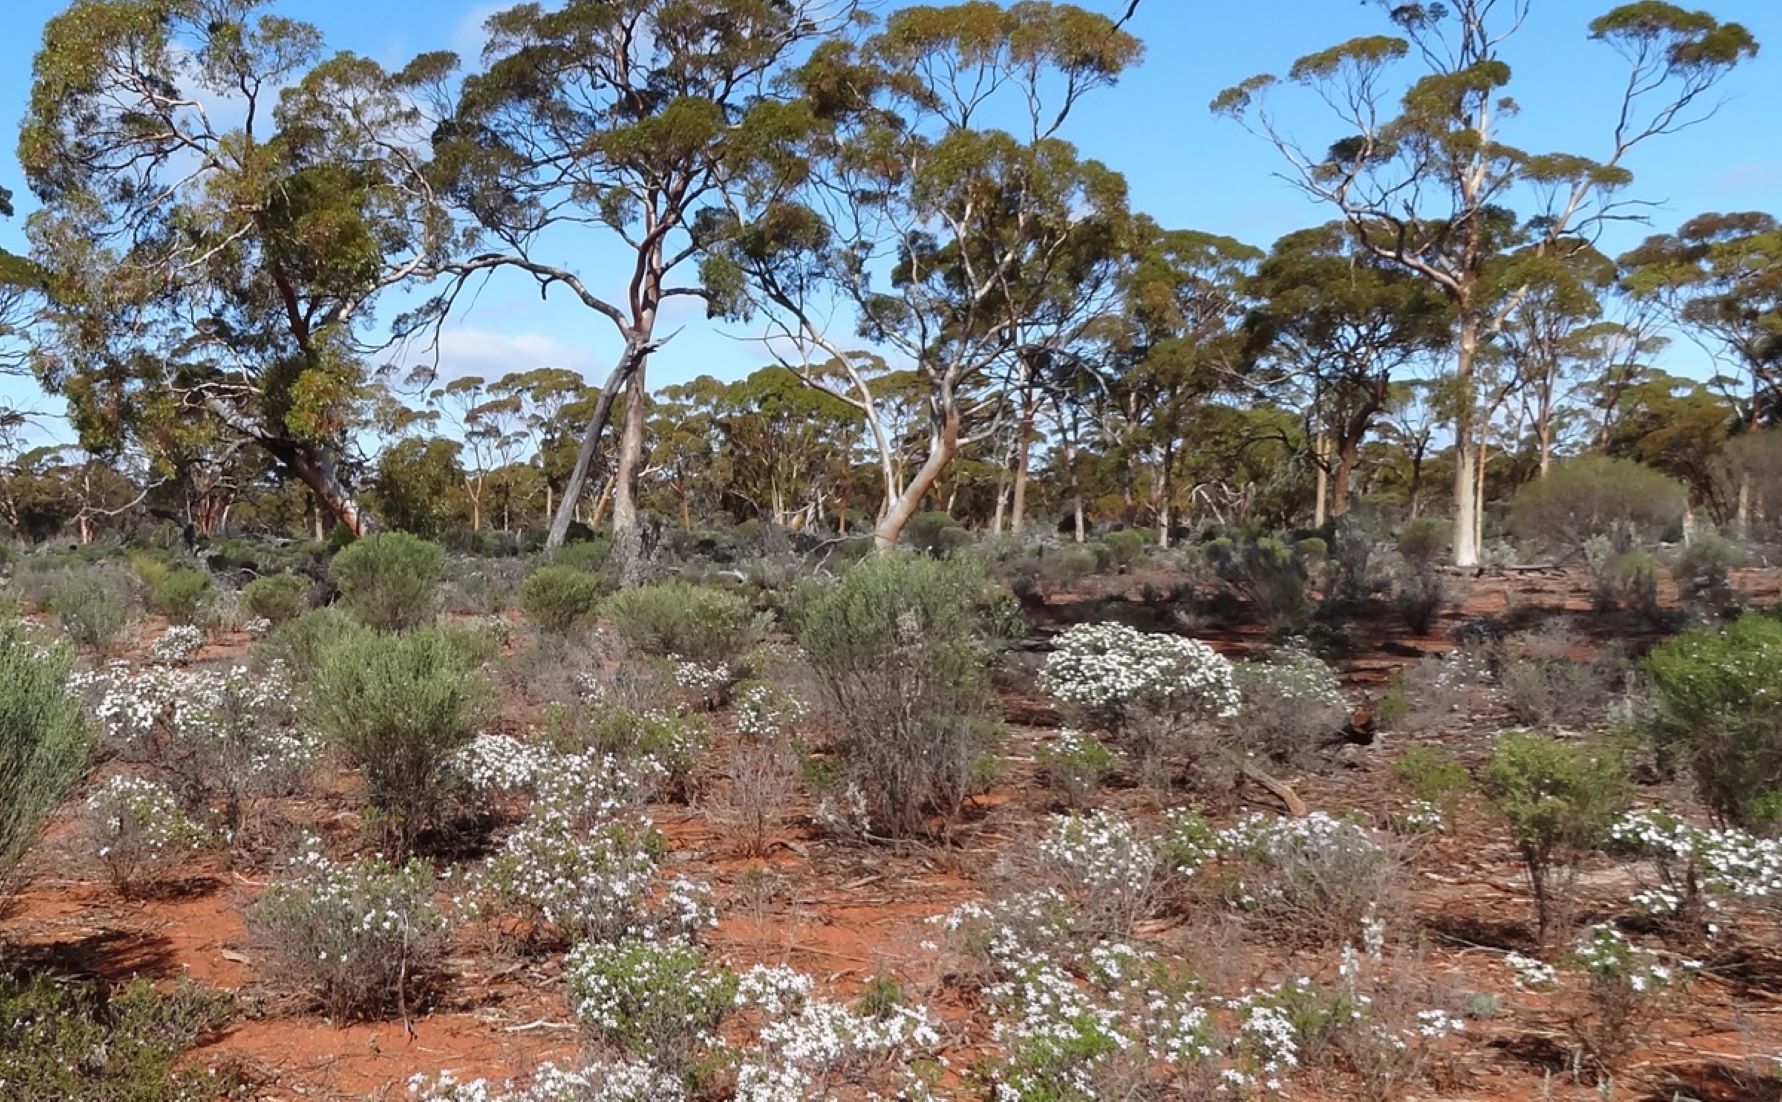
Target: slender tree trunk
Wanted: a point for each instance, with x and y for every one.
(629, 361)
(315, 469)
(1076, 489)
(1321, 465)
(1023, 461)
(1348, 456)
(1466, 533)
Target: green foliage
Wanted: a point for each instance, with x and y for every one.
(76, 1041)
(1591, 495)
(178, 593)
(1704, 572)
(1559, 800)
(897, 647)
(390, 581)
(300, 643)
(559, 598)
(935, 534)
(44, 739)
(1433, 776)
(278, 598)
(93, 605)
(1629, 580)
(1719, 713)
(1424, 542)
(1075, 765)
(1129, 546)
(658, 1000)
(400, 706)
(417, 486)
(699, 623)
(1268, 572)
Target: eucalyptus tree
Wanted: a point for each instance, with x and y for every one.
(1551, 335)
(1718, 278)
(1430, 183)
(936, 237)
(1336, 325)
(221, 209)
(608, 127)
(1176, 342)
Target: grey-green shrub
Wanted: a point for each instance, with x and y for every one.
(559, 598)
(43, 738)
(700, 623)
(390, 581)
(400, 706)
(178, 593)
(1559, 800)
(93, 605)
(897, 647)
(1591, 495)
(300, 643)
(1718, 712)
(277, 598)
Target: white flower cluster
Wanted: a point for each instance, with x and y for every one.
(1531, 972)
(704, 678)
(1104, 862)
(243, 723)
(354, 930)
(259, 627)
(176, 645)
(1296, 679)
(650, 997)
(1113, 670)
(139, 830)
(589, 785)
(584, 884)
(1423, 817)
(1726, 863)
(1608, 958)
(763, 710)
(625, 1081)
(800, 1052)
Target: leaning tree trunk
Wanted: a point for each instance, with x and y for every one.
(943, 444)
(629, 361)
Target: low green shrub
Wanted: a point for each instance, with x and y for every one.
(898, 649)
(1718, 712)
(1269, 573)
(401, 707)
(934, 534)
(559, 599)
(93, 605)
(44, 738)
(1559, 800)
(276, 598)
(82, 1041)
(1423, 542)
(390, 581)
(179, 594)
(699, 623)
(1591, 495)
(300, 643)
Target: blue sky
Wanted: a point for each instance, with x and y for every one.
(1185, 167)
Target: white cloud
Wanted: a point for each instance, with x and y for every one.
(464, 350)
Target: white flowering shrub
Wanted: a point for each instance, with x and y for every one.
(583, 787)
(1148, 688)
(765, 712)
(357, 935)
(176, 645)
(1112, 670)
(224, 734)
(606, 1081)
(1291, 702)
(656, 1000)
(706, 684)
(811, 1051)
(1111, 873)
(671, 743)
(551, 881)
(139, 832)
(1314, 879)
(1075, 764)
(1698, 875)
(1623, 986)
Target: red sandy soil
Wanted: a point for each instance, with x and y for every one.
(845, 913)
